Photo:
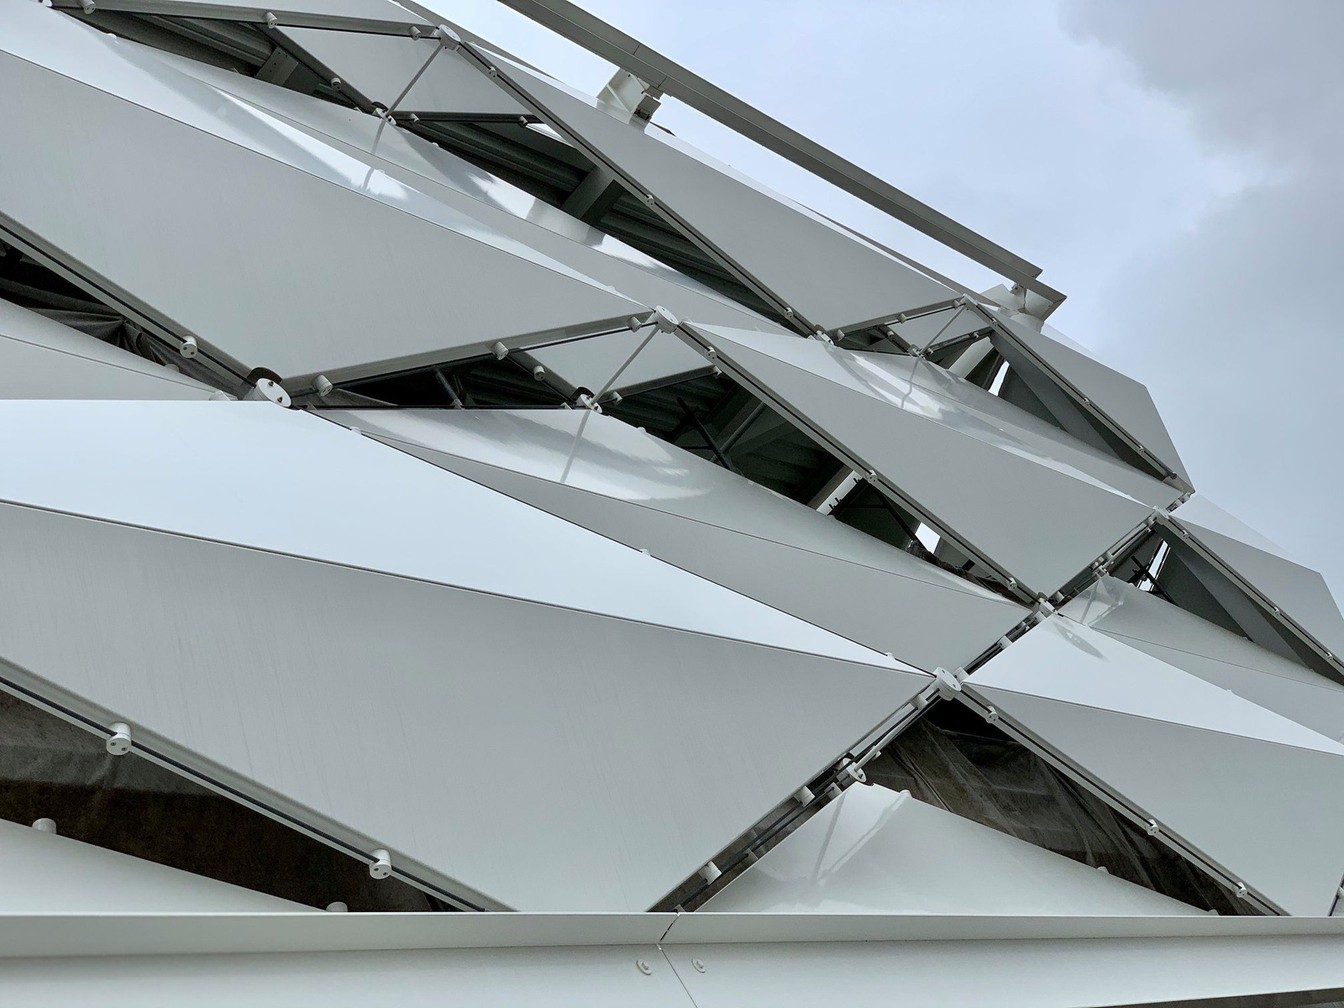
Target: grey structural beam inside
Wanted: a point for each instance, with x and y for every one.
(623, 483)
(600, 38)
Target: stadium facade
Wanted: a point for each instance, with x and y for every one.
(463, 545)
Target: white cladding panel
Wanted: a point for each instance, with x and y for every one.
(820, 272)
(340, 694)
(463, 187)
(616, 480)
(504, 750)
(873, 850)
(244, 292)
(43, 359)
(1142, 620)
(1237, 783)
(1040, 507)
(47, 873)
(257, 475)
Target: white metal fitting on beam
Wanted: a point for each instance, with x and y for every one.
(499, 350)
(709, 872)
(189, 348)
(119, 742)
(660, 318)
(381, 867)
(44, 825)
(268, 390)
(949, 683)
(448, 39)
(322, 386)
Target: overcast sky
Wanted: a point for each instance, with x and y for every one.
(1176, 166)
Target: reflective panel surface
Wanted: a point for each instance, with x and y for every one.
(873, 850)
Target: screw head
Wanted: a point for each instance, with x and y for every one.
(643, 966)
(699, 965)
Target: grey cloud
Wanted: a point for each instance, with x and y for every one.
(1232, 322)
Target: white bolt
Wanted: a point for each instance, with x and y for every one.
(500, 351)
(643, 966)
(382, 864)
(1153, 828)
(699, 965)
(710, 872)
(119, 742)
(189, 348)
(337, 907)
(539, 373)
(323, 386)
(45, 825)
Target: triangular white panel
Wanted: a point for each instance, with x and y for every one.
(481, 704)
(823, 274)
(43, 359)
(1224, 778)
(464, 187)
(610, 477)
(1123, 400)
(47, 873)
(1144, 621)
(1299, 592)
(381, 67)
(1026, 497)
(873, 850)
(213, 251)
